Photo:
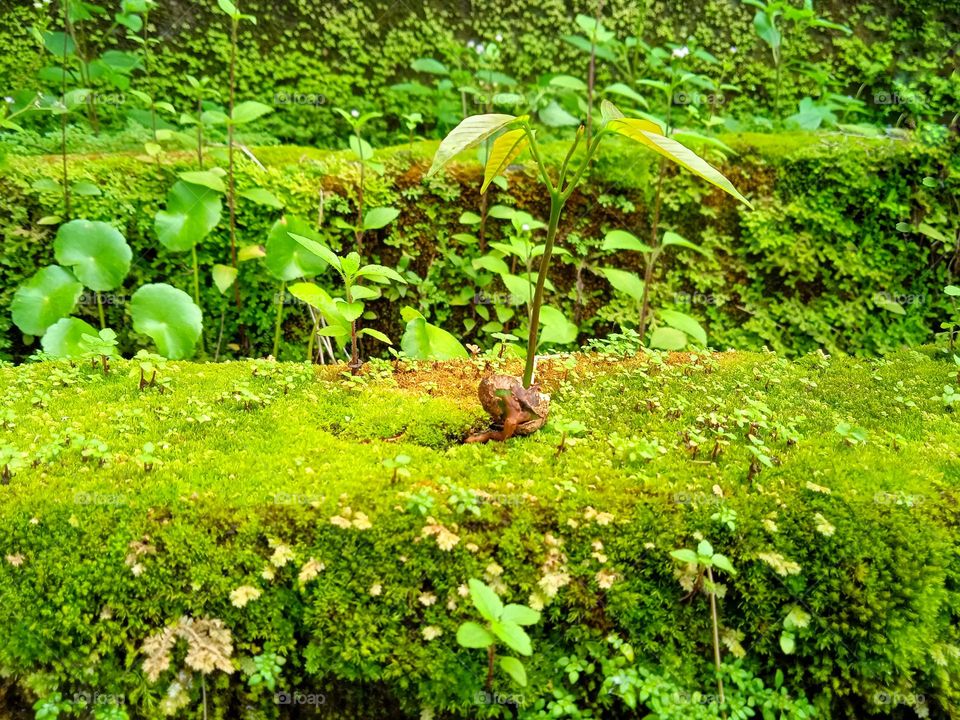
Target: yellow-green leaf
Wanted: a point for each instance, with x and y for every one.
(650, 135)
(470, 132)
(505, 150)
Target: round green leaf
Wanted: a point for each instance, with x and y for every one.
(513, 636)
(288, 259)
(50, 294)
(192, 212)
(95, 251)
(62, 339)
(168, 317)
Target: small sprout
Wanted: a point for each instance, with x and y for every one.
(146, 457)
(102, 347)
(851, 435)
(398, 464)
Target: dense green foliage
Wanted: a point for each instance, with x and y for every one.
(814, 265)
(307, 59)
(330, 521)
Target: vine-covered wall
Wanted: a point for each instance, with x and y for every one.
(817, 263)
(306, 57)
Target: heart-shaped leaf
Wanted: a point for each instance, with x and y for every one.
(169, 317)
(192, 212)
(64, 338)
(223, 277)
(288, 259)
(423, 341)
(472, 635)
(48, 295)
(96, 252)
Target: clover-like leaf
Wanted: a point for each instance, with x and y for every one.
(97, 253)
(48, 295)
(169, 317)
(192, 212)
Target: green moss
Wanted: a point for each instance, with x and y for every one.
(248, 454)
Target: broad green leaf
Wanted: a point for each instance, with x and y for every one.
(609, 112)
(704, 548)
(63, 338)
(723, 563)
(423, 341)
(788, 643)
(555, 329)
(192, 212)
(553, 115)
(467, 218)
(684, 555)
(381, 274)
(377, 335)
(520, 614)
(96, 252)
(485, 600)
(472, 635)
(206, 178)
(288, 259)
(627, 92)
(48, 295)
(672, 239)
(889, 304)
(513, 636)
(650, 135)
(320, 250)
(514, 668)
(682, 321)
(169, 317)
(223, 277)
(85, 189)
(667, 338)
(249, 111)
(349, 310)
(261, 197)
(313, 295)
(626, 282)
(429, 65)
(952, 290)
(469, 133)
(767, 30)
(378, 217)
(504, 151)
(623, 240)
(493, 264)
(250, 252)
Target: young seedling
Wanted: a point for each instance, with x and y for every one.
(704, 560)
(102, 347)
(342, 314)
(398, 465)
(147, 364)
(502, 623)
(147, 457)
(515, 135)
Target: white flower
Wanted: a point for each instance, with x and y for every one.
(243, 594)
(471, 43)
(480, 49)
(431, 631)
(427, 599)
(733, 49)
(525, 227)
(681, 52)
(8, 99)
(355, 113)
(376, 589)
(498, 37)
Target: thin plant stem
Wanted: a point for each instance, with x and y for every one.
(196, 276)
(359, 238)
(716, 635)
(648, 271)
(279, 323)
(103, 321)
(63, 117)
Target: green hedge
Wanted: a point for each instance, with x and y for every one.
(349, 53)
(810, 267)
(98, 551)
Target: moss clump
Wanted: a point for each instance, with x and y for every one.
(271, 476)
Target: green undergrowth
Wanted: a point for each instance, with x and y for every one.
(844, 509)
